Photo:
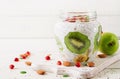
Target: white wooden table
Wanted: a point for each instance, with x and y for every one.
(39, 48)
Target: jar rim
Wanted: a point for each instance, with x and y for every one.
(89, 13)
(92, 15)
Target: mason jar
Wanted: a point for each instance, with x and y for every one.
(77, 35)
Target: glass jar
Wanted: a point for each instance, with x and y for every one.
(77, 35)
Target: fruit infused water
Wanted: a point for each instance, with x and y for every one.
(77, 35)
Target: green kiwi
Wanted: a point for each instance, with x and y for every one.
(77, 42)
(108, 43)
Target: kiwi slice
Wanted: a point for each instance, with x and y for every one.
(77, 42)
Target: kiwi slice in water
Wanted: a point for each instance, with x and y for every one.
(77, 42)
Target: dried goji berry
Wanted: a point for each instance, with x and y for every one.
(16, 59)
(28, 53)
(11, 66)
(59, 63)
(78, 64)
(47, 57)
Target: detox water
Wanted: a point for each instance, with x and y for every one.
(77, 35)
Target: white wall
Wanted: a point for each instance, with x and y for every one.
(36, 18)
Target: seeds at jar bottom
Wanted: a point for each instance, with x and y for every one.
(80, 58)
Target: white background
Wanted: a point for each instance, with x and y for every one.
(36, 18)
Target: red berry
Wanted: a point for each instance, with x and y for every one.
(11, 66)
(59, 63)
(16, 59)
(23, 56)
(28, 53)
(78, 64)
(47, 57)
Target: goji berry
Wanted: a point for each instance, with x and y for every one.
(28, 53)
(78, 64)
(16, 59)
(47, 57)
(11, 66)
(59, 63)
(23, 56)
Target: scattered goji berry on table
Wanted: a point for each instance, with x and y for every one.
(16, 59)
(59, 63)
(11, 66)
(77, 64)
(47, 57)
(28, 53)
(23, 56)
